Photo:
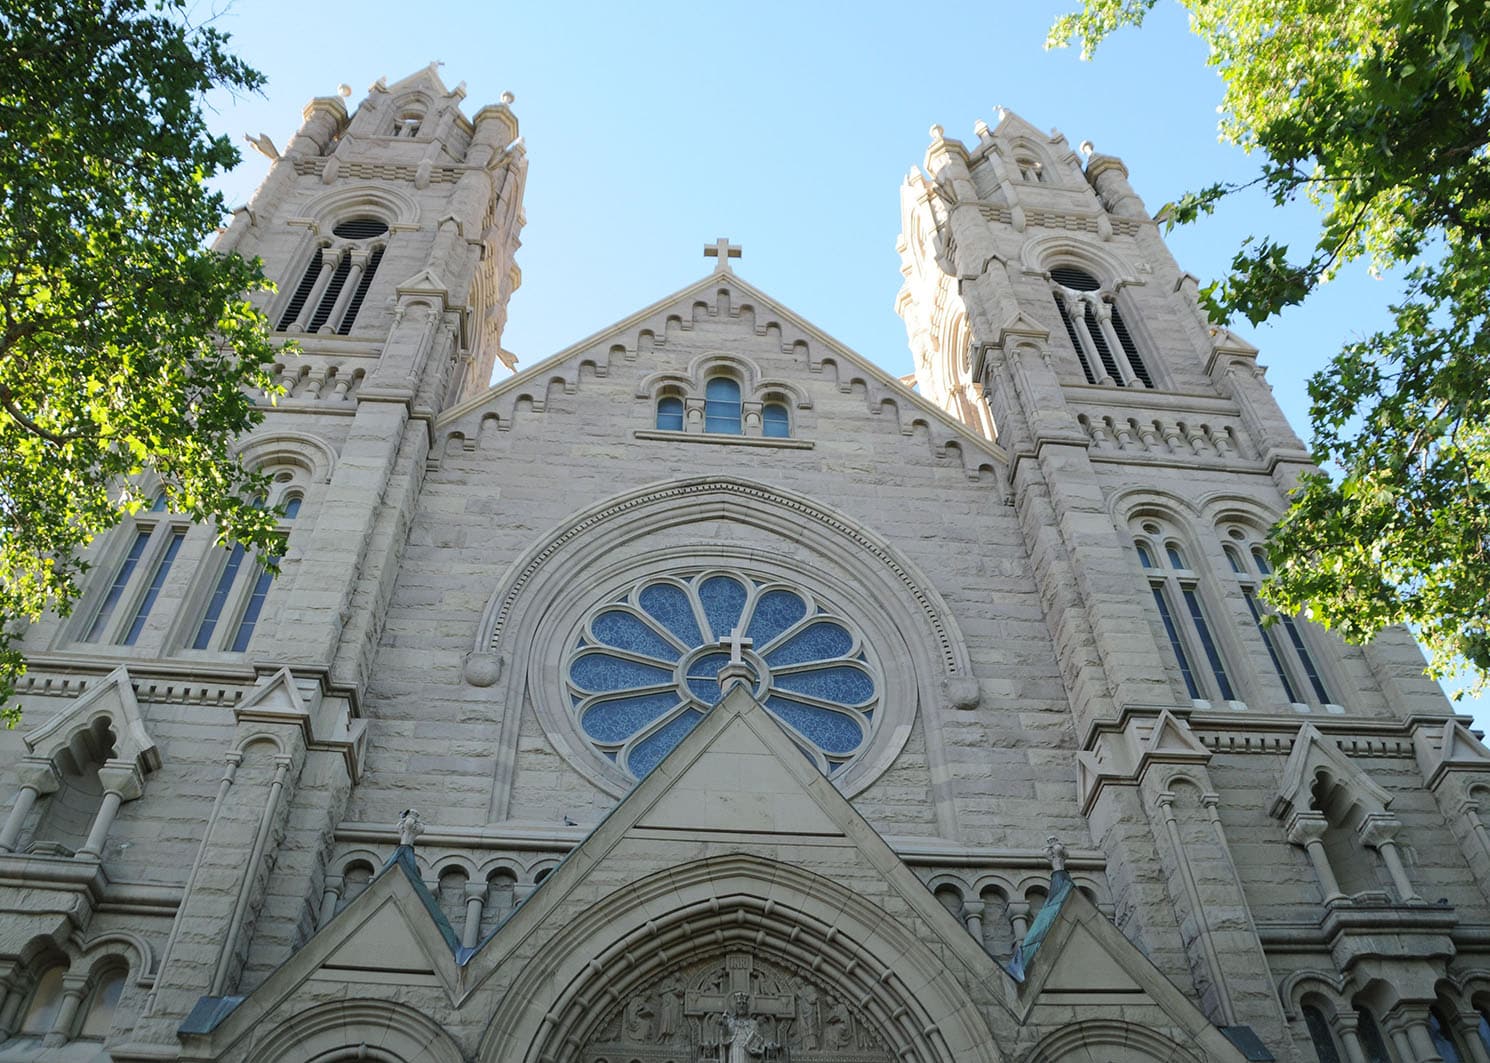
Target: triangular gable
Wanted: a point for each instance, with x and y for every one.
(113, 697)
(1312, 751)
(535, 378)
(392, 933)
(426, 78)
(1171, 738)
(1454, 748)
(1074, 955)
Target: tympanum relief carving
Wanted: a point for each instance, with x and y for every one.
(738, 1009)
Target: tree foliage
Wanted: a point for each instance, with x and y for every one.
(128, 349)
(1378, 113)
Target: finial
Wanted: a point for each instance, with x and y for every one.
(1056, 852)
(1000, 110)
(263, 145)
(508, 98)
(723, 250)
(936, 131)
(344, 90)
(410, 826)
(1086, 148)
(981, 130)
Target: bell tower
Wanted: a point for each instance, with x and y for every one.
(391, 233)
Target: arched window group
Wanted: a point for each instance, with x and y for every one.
(1197, 616)
(337, 278)
(150, 549)
(59, 1006)
(1103, 343)
(724, 410)
(1340, 1032)
(159, 583)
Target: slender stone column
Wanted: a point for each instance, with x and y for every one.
(1469, 811)
(37, 777)
(329, 257)
(1467, 1025)
(1380, 832)
(1423, 1048)
(330, 897)
(1197, 909)
(972, 915)
(121, 782)
(73, 986)
(256, 858)
(344, 297)
(12, 996)
(1345, 1028)
(475, 904)
(1019, 919)
(1307, 829)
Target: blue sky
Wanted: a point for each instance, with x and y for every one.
(654, 128)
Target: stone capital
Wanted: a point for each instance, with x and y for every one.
(1306, 827)
(476, 891)
(122, 777)
(1377, 830)
(39, 774)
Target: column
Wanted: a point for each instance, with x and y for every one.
(1307, 829)
(73, 986)
(282, 764)
(348, 287)
(1380, 832)
(329, 257)
(1350, 1040)
(1467, 1025)
(121, 782)
(12, 996)
(1103, 312)
(1423, 1048)
(37, 777)
(972, 915)
(330, 898)
(1019, 919)
(1197, 909)
(475, 902)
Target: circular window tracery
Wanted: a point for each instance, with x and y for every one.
(644, 668)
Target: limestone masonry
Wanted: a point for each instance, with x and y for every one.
(703, 694)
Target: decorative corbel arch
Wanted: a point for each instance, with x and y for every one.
(110, 701)
(1039, 254)
(111, 947)
(1294, 987)
(1109, 1039)
(394, 205)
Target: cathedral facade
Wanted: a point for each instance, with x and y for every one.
(702, 694)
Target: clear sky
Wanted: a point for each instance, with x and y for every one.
(653, 128)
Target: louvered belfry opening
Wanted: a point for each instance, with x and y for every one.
(330, 295)
(1079, 280)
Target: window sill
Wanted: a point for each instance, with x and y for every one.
(723, 440)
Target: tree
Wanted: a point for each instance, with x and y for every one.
(128, 349)
(1378, 112)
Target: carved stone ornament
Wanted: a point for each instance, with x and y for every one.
(739, 1009)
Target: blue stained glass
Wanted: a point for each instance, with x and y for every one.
(619, 718)
(723, 600)
(648, 753)
(601, 673)
(842, 683)
(702, 677)
(626, 631)
(670, 607)
(818, 641)
(774, 612)
(670, 414)
(832, 732)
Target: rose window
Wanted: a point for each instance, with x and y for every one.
(645, 668)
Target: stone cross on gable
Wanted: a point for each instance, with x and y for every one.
(738, 966)
(736, 642)
(723, 250)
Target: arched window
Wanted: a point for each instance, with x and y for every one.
(1101, 338)
(1319, 1034)
(722, 406)
(45, 1002)
(1029, 169)
(103, 1002)
(337, 278)
(408, 122)
(153, 541)
(238, 594)
(775, 421)
(1292, 662)
(670, 414)
(1175, 586)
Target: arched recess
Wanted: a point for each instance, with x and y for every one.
(529, 623)
(1112, 1041)
(394, 206)
(1038, 254)
(377, 1030)
(311, 453)
(783, 918)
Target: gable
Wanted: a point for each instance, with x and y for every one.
(722, 320)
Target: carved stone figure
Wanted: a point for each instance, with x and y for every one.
(670, 1013)
(639, 1016)
(742, 1034)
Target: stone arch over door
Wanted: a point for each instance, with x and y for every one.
(643, 970)
(379, 1031)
